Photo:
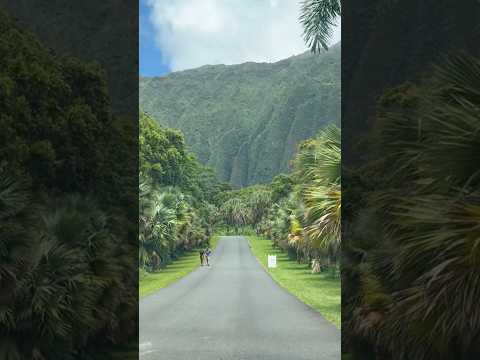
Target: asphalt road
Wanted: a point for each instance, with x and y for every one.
(232, 310)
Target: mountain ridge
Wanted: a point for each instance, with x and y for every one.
(304, 54)
(245, 120)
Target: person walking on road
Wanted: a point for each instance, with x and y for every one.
(207, 253)
(202, 257)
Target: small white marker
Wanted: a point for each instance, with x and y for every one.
(272, 261)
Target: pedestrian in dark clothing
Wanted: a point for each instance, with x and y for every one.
(202, 257)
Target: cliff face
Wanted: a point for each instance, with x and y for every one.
(245, 120)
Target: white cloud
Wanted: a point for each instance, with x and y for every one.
(192, 33)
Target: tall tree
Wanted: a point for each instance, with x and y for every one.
(318, 168)
(235, 213)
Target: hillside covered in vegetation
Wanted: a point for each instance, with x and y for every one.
(245, 121)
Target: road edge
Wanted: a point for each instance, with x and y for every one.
(213, 244)
(285, 288)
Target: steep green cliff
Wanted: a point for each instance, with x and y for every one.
(245, 120)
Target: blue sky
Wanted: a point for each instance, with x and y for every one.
(183, 34)
(150, 54)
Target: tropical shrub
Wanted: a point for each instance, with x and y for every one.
(65, 275)
(412, 275)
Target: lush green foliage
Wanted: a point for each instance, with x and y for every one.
(63, 272)
(85, 37)
(176, 195)
(162, 153)
(411, 278)
(300, 212)
(234, 212)
(67, 262)
(318, 171)
(245, 121)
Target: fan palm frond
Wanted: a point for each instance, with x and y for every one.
(324, 215)
(318, 19)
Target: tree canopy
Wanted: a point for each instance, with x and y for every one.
(68, 180)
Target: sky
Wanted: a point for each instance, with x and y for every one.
(184, 34)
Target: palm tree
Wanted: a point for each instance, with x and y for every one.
(324, 215)
(297, 238)
(210, 213)
(318, 168)
(61, 275)
(319, 159)
(281, 217)
(17, 243)
(318, 18)
(259, 203)
(425, 262)
(234, 213)
(157, 228)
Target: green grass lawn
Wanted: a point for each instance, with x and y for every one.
(319, 291)
(152, 282)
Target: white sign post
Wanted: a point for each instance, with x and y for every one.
(272, 261)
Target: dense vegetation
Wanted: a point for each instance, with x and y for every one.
(378, 52)
(68, 272)
(245, 121)
(411, 203)
(410, 278)
(299, 212)
(104, 32)
(177, 194)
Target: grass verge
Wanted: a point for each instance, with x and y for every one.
(152, 282)
(319, 291)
